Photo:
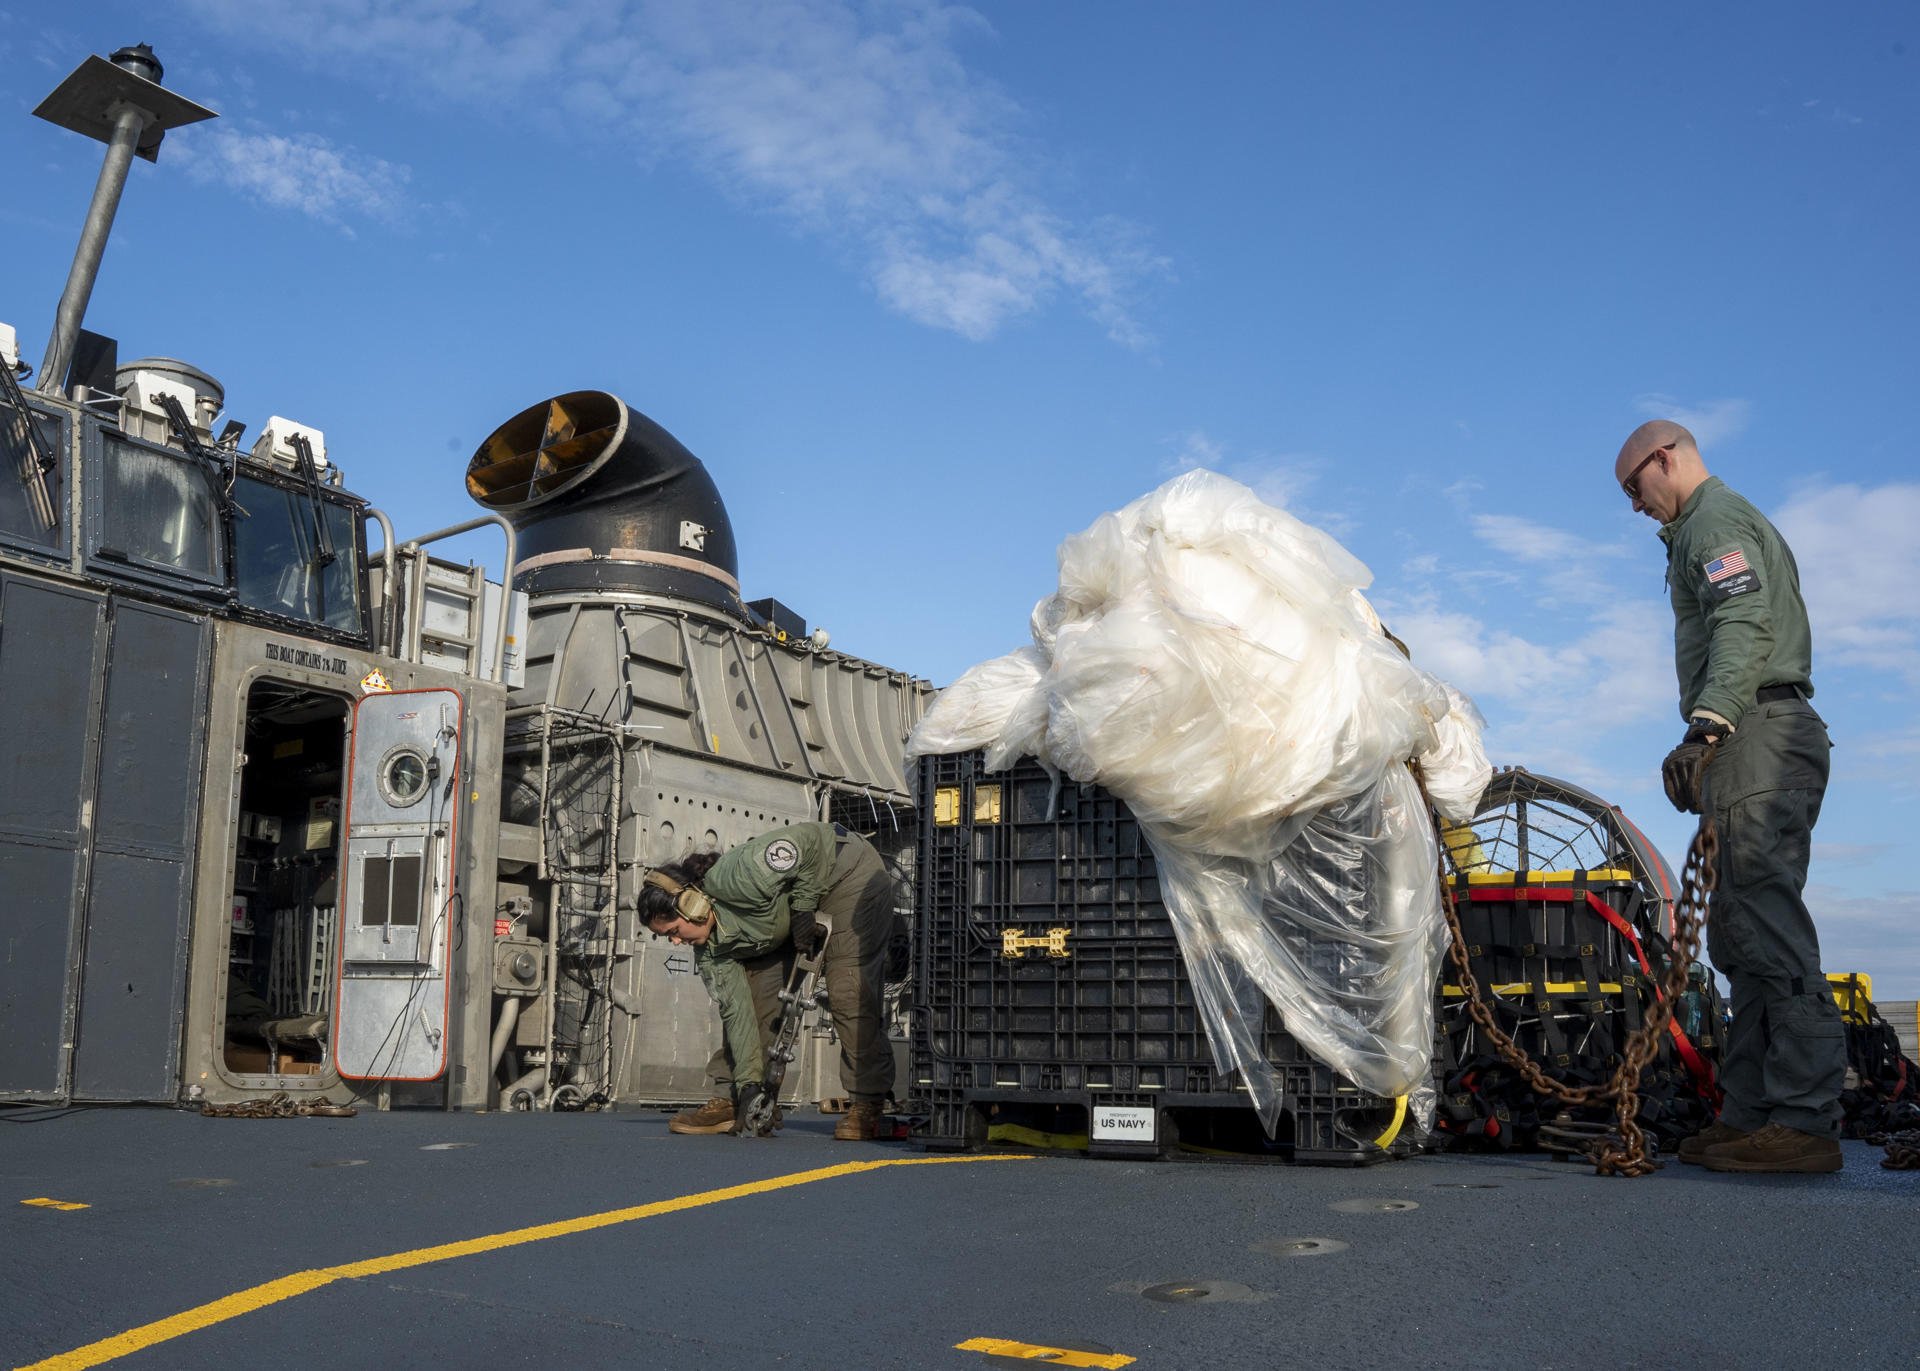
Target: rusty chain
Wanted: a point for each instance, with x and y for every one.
(1903, 1149)
(280, 1105)
(1627, 1155)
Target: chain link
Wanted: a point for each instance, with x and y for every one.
(1626, 1155)
(1903, 1149)
(279, 1105)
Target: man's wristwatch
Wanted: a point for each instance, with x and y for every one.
(1701, 729)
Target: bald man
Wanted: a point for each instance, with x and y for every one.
(1744, 655)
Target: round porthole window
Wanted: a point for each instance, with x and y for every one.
(403, 776)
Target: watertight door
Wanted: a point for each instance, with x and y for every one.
(398, 902)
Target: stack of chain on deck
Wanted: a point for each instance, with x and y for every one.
(1566, 932)
(1053, 997)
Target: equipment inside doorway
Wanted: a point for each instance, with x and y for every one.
(281, 941)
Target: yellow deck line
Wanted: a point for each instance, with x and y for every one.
(300, 1282)
(1040, 1352)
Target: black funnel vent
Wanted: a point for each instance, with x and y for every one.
(603, 498)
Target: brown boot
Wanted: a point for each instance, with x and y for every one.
(715, 1116)
(1776, 1149)
(861, 1123)
(1693, 1151)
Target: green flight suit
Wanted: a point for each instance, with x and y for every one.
(757, 887)
(1740, 628)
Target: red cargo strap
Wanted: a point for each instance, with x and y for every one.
(1697, 1066)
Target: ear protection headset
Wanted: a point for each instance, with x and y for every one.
(690, 902)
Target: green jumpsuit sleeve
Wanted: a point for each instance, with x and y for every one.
(787, 869)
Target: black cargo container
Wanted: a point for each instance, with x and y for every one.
(1052, 995)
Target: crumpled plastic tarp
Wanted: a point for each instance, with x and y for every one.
(1212, 661)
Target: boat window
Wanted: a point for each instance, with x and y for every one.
(392, 891)
(279, 563)
(161, 511)
(33, 465)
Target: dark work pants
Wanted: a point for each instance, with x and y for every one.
(859, 909)
(1786, 1057)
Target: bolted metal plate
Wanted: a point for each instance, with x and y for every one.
(1373, 1206)
(1198, 1292)
(1300, 1247)
(200, 1183)
(341, 1161)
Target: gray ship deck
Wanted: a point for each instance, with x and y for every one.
(598, 1240)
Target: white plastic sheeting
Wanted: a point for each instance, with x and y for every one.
(1212, 660)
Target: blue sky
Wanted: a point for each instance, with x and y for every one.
(929, 287)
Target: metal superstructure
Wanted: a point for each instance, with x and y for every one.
(281, 811)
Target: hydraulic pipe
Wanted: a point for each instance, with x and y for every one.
(503, 1031)
(533, 1082)
(390, 610)
(128, 125)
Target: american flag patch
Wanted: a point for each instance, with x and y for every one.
(1730, 565)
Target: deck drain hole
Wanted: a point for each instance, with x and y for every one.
(1197, 1292)
(1300, 1247)
(1373, 1206)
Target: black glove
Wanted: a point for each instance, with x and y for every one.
(809, 934)
(746, 1098)
(1685, 766)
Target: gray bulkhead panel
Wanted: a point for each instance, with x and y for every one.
(52, 639)
(100, 761)
(692, 805)
(731, 733)
(694, 681)
(133, 989)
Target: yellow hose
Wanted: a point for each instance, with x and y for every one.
(1385, 1140)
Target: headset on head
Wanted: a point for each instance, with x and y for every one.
(690, 902)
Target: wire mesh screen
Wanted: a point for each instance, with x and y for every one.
(568, 776)
(1536, 823)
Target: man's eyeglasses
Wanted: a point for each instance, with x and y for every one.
(1632, 484)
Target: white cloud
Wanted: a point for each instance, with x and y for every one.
(1858, 549)
(1571, 665)
(861, 123)
(1528, 540)
(1877, 934)
(1711, 422)
(1851, 853)
(302, 172)
(1281, 481)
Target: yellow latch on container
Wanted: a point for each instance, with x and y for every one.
(1014, 945)
(946, 806)
(986, 804)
